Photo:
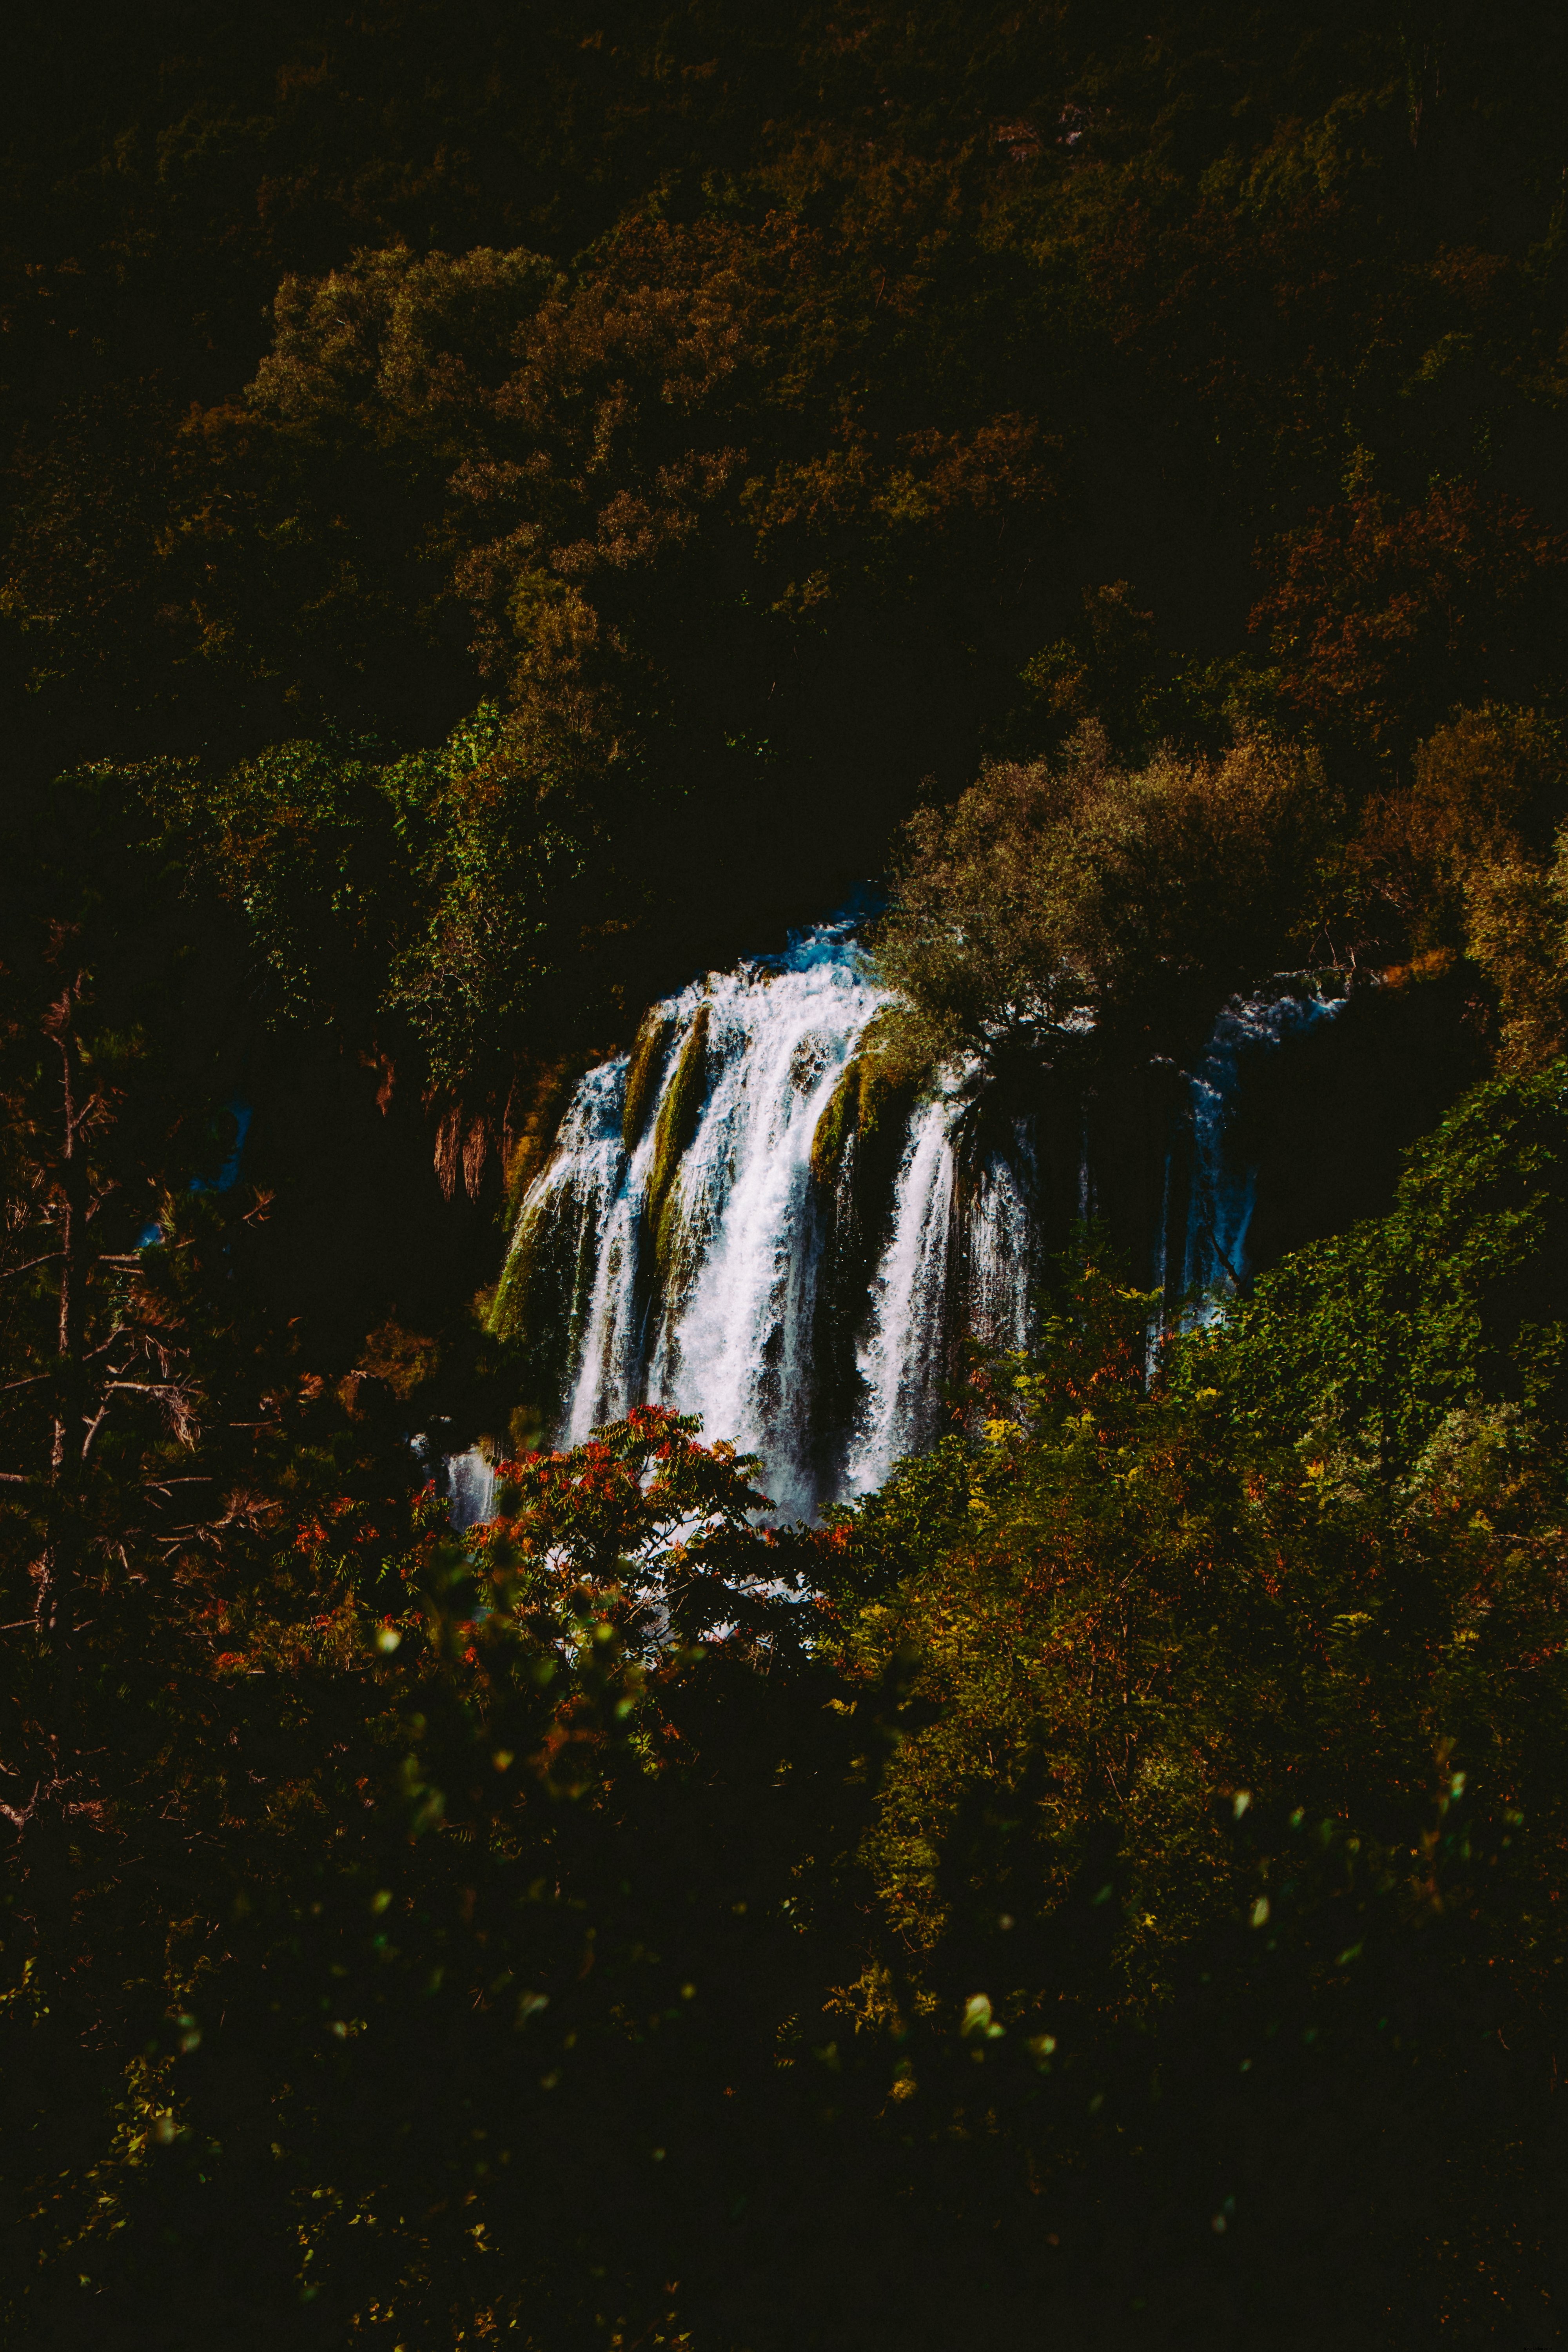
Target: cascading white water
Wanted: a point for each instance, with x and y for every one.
(733, 1337)
(907, 1301)
(1000, 1243)
(710, 1297)
(697, 1268)
(713, 1313)
(471, 1484)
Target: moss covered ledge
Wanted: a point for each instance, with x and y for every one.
(678, 1116)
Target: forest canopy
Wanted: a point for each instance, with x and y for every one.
(502, 510)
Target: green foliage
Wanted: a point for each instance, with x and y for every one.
(1452, 1304)
(1471, 855)
(1074, 895)
(302, 838)
(611, 368)
(554, 1898)
(1119, 1859)
(499, 859)
(1141, 1611)
(445, 892)
(1210, 1728)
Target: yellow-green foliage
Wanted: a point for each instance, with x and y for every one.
(1489, 778)
(1474, 856)
(1078, 890)
(642, 1075)
(1517, 931)
(404, 1359)
(1257, 1621)
(678, 1116)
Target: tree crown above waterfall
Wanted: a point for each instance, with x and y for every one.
(1082, 895)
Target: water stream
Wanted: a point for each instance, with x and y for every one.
(1223, 1188)
(737, 1248)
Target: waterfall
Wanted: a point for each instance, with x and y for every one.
(735, 1222)
(1223, 1187)
(1000, 1238)
(471, 1484)
(676, 1243)
(903, 1339)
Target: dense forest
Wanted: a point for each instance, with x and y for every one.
(505, 509)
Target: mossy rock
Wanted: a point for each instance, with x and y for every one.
(642, 1075)
(508, 1302)
(869, 1110)
(542, 1298)
(679, 1114)
(551, 1091)
(855, 1154)
(837, 1122)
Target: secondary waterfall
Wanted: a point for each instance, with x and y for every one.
(1224, 1183)
(742, 1220)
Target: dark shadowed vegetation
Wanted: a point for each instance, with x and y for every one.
(502, 509)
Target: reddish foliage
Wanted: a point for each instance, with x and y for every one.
(1385, 617)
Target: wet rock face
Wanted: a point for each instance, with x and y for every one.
(643, 1072)
(680, 1113)
(1329, 1120)
(746, 1220)
(1291, 1125)
(713, 1241)
(1117, 1149)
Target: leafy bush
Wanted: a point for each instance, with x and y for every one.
(1457, 1302)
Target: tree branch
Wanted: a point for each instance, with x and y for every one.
(11, 1271)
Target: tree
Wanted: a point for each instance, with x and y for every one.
(1224, 1809)
(1077, 900)
(1470, 854)
(1385, 617)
